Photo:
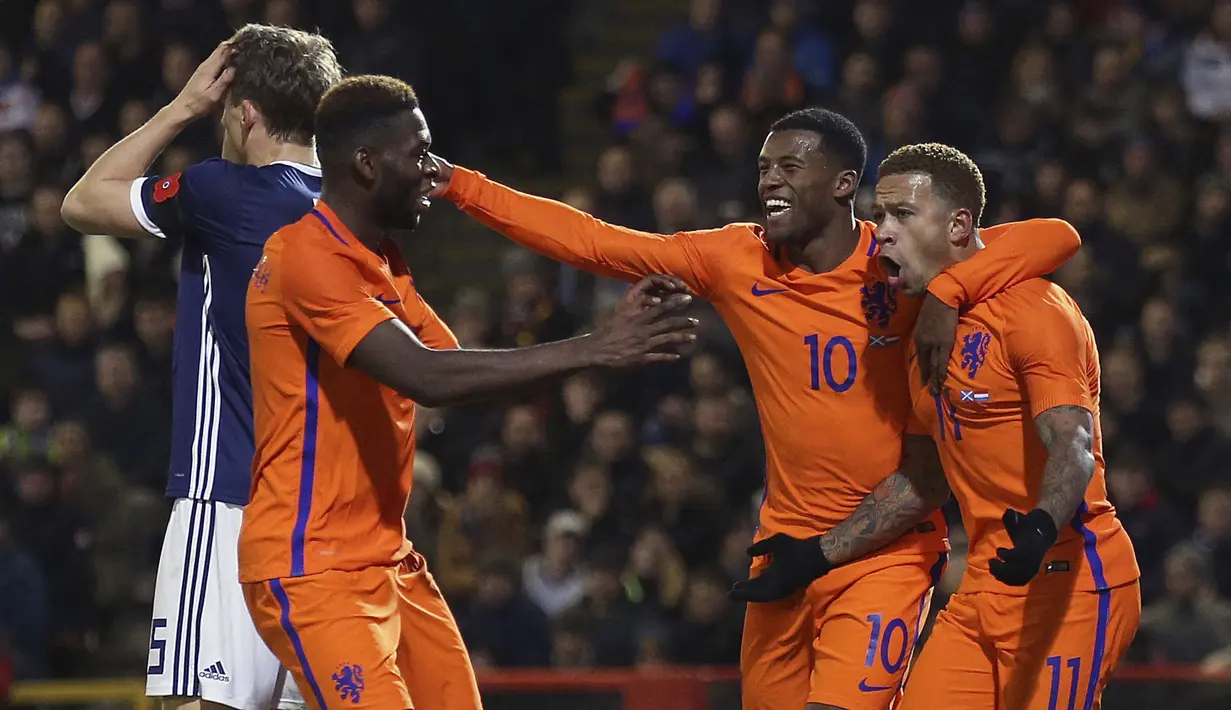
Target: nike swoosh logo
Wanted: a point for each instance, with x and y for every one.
(388, 301)
(758, 291)
(863, 685)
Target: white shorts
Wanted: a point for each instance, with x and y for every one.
(202, 640)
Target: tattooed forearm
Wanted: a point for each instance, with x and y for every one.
(886, 513)
(1068, 434)
(900, 502)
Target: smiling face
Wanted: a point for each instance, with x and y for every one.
(799, 186)
(917, 230)
(403, 172)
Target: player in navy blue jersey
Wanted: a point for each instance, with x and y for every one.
(267, 81)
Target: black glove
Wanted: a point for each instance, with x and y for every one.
(793, 565)
(1032, 534)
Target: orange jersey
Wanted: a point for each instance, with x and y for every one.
(1019, 354)
(334, 448)
(824, 351)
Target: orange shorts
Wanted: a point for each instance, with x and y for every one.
(1050, 650)
(380, 637)
(845, 641)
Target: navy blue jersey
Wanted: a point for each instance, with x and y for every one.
(223, 213)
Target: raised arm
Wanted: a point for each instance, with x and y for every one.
(564, 234)
(900, 502)
(101, 201)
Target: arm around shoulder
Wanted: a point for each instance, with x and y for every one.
(1015, 252)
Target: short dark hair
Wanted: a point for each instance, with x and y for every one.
(840, 138)
(954, 175)
(285, 72)
(354, 108)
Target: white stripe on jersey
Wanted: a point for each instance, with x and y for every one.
(138, 208)
(215, 426)
(205, 440)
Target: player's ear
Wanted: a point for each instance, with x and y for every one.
(845, 185)
(249, 114)
(364, 164)
(961, 227)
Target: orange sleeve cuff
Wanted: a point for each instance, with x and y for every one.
(356, 332)
(1062, 396)
(463, 185)
(948, 289)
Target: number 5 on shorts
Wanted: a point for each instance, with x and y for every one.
(158, 645)
(892, 653)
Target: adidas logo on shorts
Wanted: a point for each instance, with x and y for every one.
(215, 672)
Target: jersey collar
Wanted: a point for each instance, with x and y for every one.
(390, 253)
(304, 168)
(863, 251)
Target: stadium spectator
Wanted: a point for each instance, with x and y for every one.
(1151, 521)
(488, 518)
(708, 632)
(24, 612)
(613, 619)
(555, 578)
(1192, 621)
(503, 627)
(691, 44)
(1207, 67)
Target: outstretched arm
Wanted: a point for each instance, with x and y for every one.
(393, 356)
(901, 501)
(101, 201)
(562, 233)
(1068, 433)
(643, 331)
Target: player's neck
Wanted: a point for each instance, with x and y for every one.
(356, 217)
(969, 249)
(277, 151)
(826, 251)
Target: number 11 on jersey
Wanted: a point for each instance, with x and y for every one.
(822, 361)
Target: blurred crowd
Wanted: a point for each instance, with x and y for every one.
(601, 522)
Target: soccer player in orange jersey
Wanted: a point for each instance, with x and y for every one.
(340, 354)
(822, 334)
(1050, 599)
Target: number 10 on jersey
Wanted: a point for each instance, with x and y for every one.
(822, 358)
